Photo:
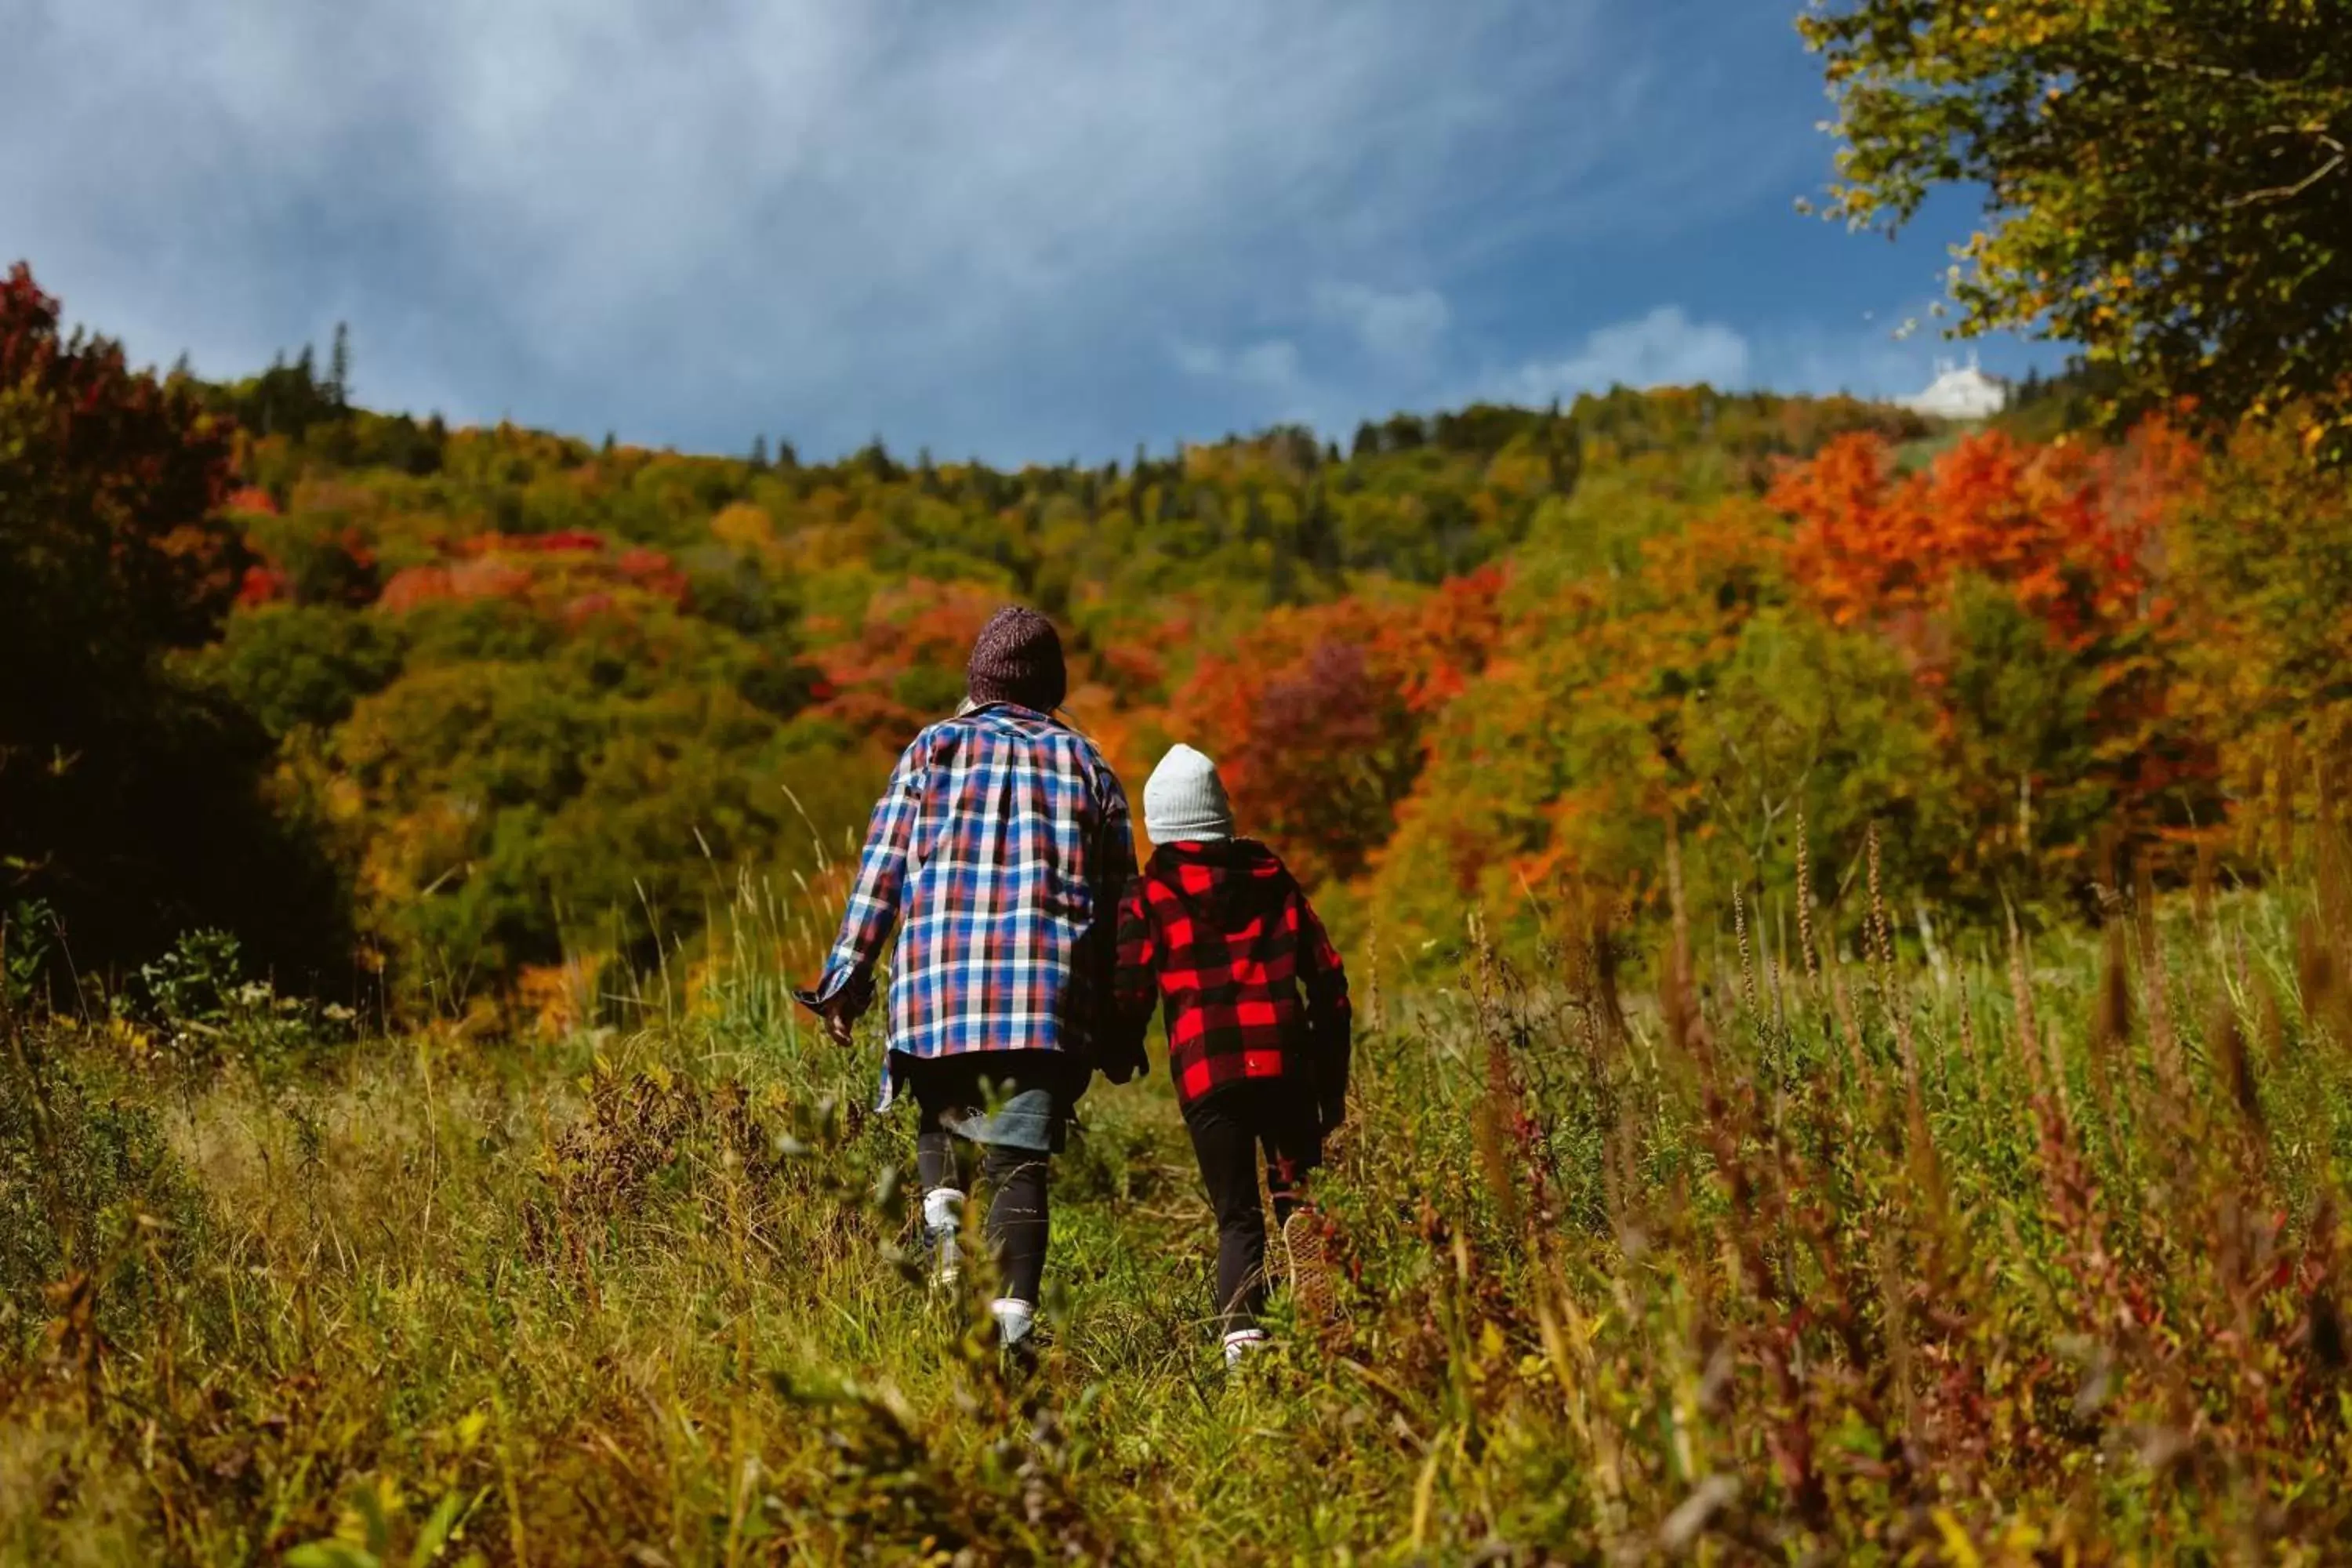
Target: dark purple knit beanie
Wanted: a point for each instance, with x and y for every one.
(1018, 659)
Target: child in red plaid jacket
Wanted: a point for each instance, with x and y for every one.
(1218, 932)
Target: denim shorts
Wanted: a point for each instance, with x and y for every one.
(1015, 1099)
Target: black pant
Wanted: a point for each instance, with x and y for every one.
(948, 1092)
(1017, 1226)
(1228, 1130)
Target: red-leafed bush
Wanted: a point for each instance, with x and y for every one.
(1317, 717)
(414, 585)
(588, 606)
(903, 667)
(552, 572)
(562, 542)
(263, 585)
(654, 573)
(568, 541)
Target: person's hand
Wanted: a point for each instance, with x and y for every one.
(840, 1014)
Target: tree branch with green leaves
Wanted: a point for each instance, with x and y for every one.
(2165, 182)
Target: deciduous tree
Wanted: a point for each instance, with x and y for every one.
(130, 800)
(2166, 181)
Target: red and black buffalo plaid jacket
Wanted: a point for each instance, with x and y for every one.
(1220, 934)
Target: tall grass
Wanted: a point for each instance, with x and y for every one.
(1841, 1246)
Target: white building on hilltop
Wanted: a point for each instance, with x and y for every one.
(1960, 392)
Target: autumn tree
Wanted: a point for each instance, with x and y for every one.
(1319, 716)
(2265, 554)
(2024, 585)
(2166, 181)
(131, 801)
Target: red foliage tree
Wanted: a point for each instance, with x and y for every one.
(2070, 531)
(110, 512)
(904, 666)
(556, 572)
(2072, 536)
(1319, 718)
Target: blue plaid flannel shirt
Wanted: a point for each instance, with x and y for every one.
(1000, 852)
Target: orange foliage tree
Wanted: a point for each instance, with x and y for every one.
(2072, 532)
(903, 666)
(2266, 557)
(1563, 760)
(1984, 658)
(2030, 587)
(574, 574)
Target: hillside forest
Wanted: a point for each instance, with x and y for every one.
(444, 718)
(1849, 917)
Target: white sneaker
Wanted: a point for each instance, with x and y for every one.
(943, 1228)
(1014, 1319)
(1240, 1342)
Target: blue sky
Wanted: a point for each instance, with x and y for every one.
(1024, 229)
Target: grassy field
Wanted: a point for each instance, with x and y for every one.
(1902, 1252)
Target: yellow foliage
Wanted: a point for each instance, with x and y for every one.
(705, 980)
(560, 997)
(745, 526)
(131, 1042)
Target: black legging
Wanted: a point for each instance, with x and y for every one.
(1228, 1128)
(1017, 1221)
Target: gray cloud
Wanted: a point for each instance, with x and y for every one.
(977, 225)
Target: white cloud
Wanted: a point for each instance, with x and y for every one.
(1197, 358)
(1664, 348)
(1404, 327)
(1271, 364)
(949, 222)
(1399, 333)
(1870, 360)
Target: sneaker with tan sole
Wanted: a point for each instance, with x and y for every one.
(1307, 1259)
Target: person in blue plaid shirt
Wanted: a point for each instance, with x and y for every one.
(999, 853)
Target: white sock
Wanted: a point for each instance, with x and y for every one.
(1240, 1342)
(1014, 1319)
(942, 1209)
(943, 1222)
